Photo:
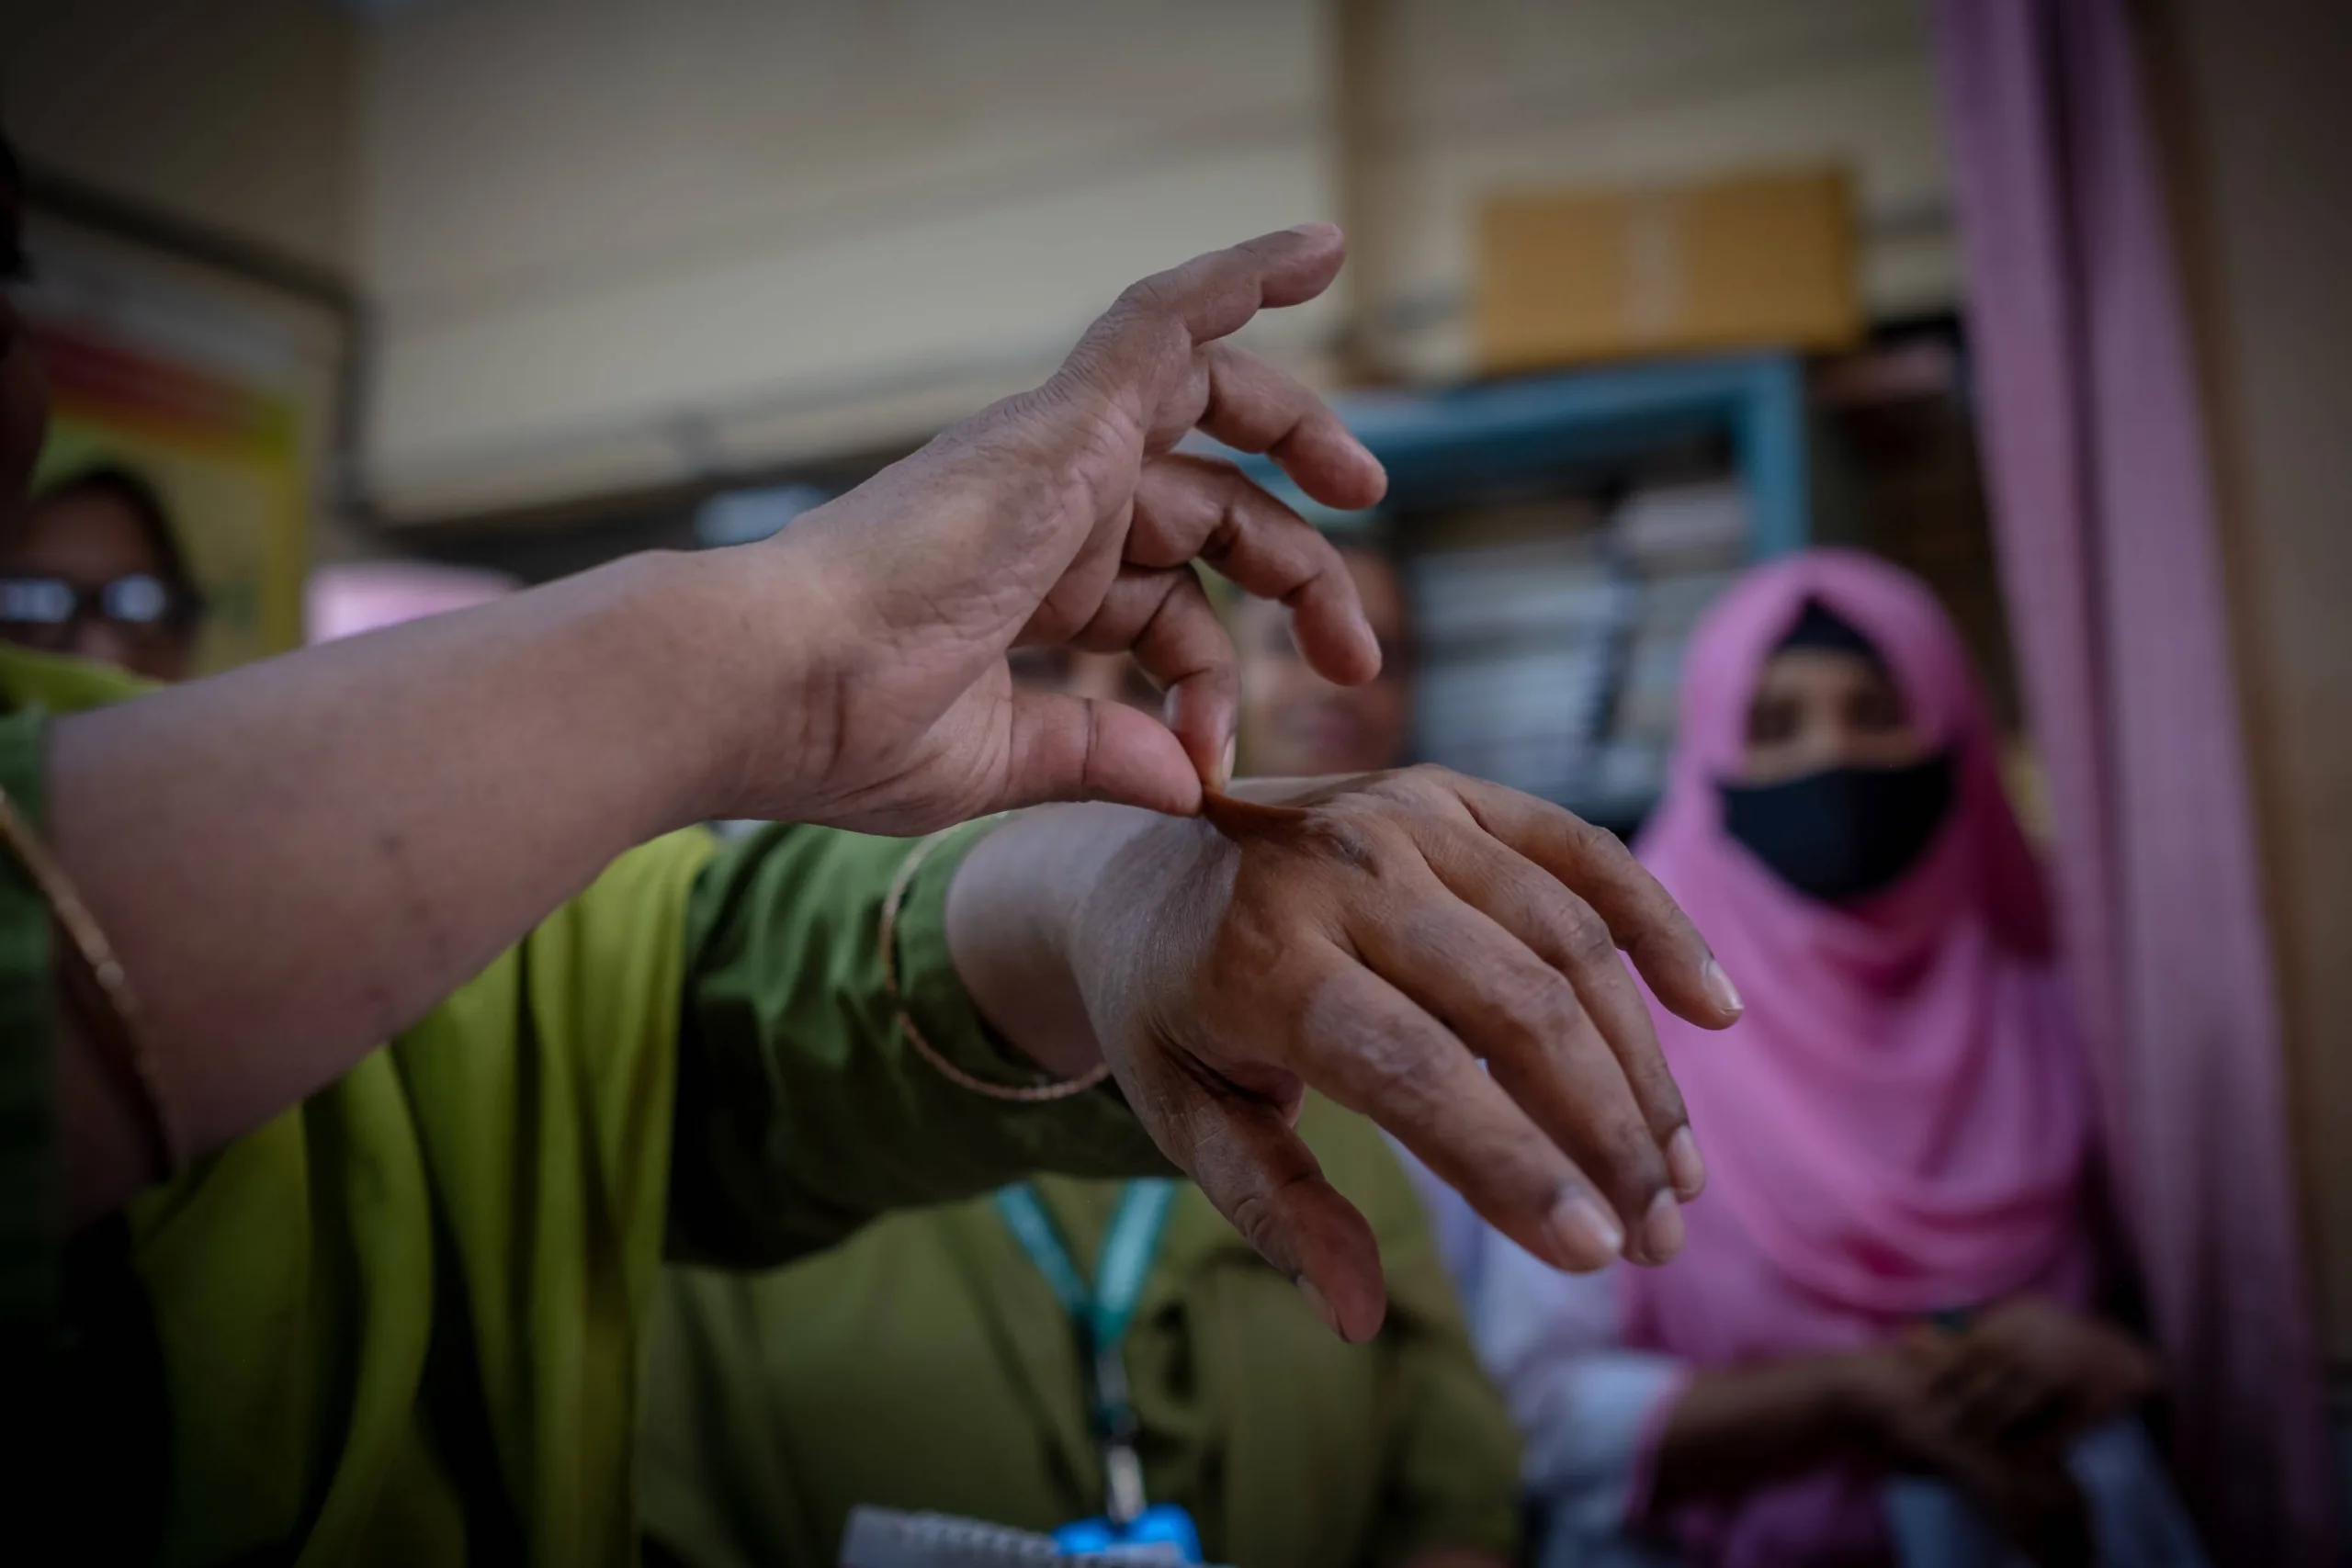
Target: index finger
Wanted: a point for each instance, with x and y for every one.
(1214, 294)
(1150, 335)
(1154, 354)
(1643, 918)
(1377, 1052)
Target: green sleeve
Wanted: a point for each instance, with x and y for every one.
(28, 1072)
(802, 1110)
(1453, 1466)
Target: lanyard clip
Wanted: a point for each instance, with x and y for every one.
(1124, 1501)
(1115, 1429)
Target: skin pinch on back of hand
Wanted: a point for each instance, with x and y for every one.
(1239, 819)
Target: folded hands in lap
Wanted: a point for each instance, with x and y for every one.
(1994, 1407)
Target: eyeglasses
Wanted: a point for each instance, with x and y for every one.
(43, 610)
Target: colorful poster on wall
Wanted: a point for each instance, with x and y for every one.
(227, 458)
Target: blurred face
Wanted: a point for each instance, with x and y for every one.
(1820, 708)
(1295, 724)
(93, 545)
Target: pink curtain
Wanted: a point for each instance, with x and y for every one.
(2104, 514)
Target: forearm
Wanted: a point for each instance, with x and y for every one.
(1015, 907)
(348, 833)
(1739, 1427)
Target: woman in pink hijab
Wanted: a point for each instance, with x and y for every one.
(1882, 1342)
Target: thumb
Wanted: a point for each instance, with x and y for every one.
(1250, 1163)
(1066, 747)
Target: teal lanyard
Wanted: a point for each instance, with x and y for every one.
(1101, 1314)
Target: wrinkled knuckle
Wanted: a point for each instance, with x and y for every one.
(1432, 791)
(1540, 1012)
(1630, 1153)
(1081, 387)
(1149, 311)
(1141, 299)
(1558, 1010)
(1414, 785)
(1577, 835)
(1585, 940)
(1254, 1216)
(1251, 943)
(1664, 1101)
(1230, 523)
(1139, 328)
(1655, 1081)
(1350, 839)
(1299, 1030)
(1395, 1078)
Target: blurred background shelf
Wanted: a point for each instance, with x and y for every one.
(1561, 534)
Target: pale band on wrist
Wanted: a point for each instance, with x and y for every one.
(1034, 1093)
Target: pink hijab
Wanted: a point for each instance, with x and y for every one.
(1901, 1123)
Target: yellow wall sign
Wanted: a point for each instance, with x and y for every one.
(227, 458)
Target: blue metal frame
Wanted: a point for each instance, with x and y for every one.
(1476, 433)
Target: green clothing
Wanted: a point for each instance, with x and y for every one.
(925, 1363)
(403, 1323)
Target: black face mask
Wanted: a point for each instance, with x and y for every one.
(1842, 832)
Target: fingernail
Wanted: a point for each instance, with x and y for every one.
(1225, 768)
(1662, 1229)
(1316, 1299)
(1719, 987)
(1584, 1235)
(1683, 1164)
(1312, 230)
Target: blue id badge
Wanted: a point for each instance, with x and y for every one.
(1163, 1524)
